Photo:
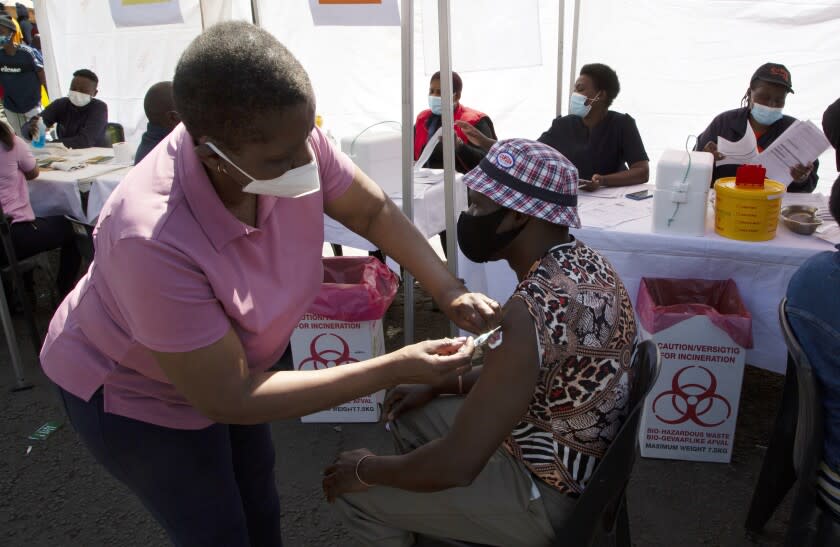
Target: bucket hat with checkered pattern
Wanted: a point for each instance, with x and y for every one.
(531, 178)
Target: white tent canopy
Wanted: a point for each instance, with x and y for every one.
(680, 62)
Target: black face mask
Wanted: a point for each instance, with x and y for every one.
(477, 235)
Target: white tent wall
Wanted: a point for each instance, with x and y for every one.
(127, 60)
(356, 70)
(682, 62)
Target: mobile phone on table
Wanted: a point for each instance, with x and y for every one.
(640, 195)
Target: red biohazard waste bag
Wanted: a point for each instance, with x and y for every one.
(356, 288)
(662, 303)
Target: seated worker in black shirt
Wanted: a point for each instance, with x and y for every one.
(467, 156)
(605, 146)
(81, 119)
(761, 108)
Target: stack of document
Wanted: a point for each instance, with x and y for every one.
(800, 144)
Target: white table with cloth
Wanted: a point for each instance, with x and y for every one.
(429, 210)
(761, 270)
(57, 192)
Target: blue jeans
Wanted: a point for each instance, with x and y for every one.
(213, 486)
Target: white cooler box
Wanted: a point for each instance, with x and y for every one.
(680, 200)
(379, 155)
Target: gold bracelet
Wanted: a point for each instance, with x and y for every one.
(460, 384)
(358, 463)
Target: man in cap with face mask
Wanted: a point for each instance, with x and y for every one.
(81, 118)
(503, 463)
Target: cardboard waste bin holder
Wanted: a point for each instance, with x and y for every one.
(344, 326)
(702, 330)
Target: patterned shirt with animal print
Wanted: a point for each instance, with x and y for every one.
(586, 331)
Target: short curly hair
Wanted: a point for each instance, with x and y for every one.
(230, 75)
(87, 73)
(605, 79)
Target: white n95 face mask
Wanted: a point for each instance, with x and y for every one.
(294, 183)
(79, 99)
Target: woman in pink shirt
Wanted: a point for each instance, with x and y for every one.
(31, 235)
(207, 255)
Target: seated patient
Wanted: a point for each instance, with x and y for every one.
(523, 434)
(813, 310)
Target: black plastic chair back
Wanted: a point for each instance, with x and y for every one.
(807, 448)
(602, 508)
(808, 525)
(83, 236)
(15, 268)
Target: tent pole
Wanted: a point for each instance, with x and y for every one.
(407, 38)
(561, 37)
(573, 63)
(448, 122)
(255, 12)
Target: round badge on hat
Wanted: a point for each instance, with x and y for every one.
(505, 160)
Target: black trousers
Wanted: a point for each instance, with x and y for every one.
(44, 234)
(207, 487)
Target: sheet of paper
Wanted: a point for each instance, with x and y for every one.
(830, 232)
(427, 176)
(740, 152)
(801, 143)
(616, 192)
(608, 213)
(428, 149)
(810, 200)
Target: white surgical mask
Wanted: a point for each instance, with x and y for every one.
(435, 105)
(578, 106)
(765, 115)
(294, 183)
(79, 99)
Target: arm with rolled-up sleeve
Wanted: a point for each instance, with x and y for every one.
(91, 130)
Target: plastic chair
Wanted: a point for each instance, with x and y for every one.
(114, 132)
(602, 508)
(794, 455)
(601, 511)
(83, 235)
(15, 269)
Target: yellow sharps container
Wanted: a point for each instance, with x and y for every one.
(747, 214)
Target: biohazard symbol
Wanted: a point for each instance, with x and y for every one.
(323, 352)
(691, 402)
